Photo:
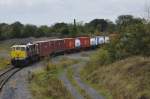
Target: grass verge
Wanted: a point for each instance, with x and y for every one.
(45, 84)
(4, 63)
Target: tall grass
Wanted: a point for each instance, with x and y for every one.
(125, 79)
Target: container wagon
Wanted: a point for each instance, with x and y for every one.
(93, 42)
(84, 42)
(69, 44)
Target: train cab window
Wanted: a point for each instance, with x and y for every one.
(22, 48)
(27, 48)
(17, 48)
(13, 48)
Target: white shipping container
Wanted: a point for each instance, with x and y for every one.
(93, 41)
(100, 40)
(77, 43)
(106, 39)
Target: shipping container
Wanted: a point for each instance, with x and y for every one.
(106, 39)
(50, 46)
(77, 43)
(100, 40)
(93, 42)
(85, 42)
(69, 43)
(44, 48)
(58, 45)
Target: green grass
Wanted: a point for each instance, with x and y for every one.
(70, 74)
(4, 63)
(5, 46)
(99, 88)
(125, 79)
(45, 84)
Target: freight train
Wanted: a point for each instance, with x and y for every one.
(22, 55)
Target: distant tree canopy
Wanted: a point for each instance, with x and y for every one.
(127, 23)
(61, 29)
(99, 25)
(123, 24)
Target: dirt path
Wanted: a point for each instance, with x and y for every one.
(76, 69)
(70, 87)
(89, 90)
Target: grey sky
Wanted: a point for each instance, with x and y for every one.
(48, 12)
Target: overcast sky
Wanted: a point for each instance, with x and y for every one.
(41, 12)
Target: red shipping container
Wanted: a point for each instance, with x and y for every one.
(85, 42)
(69, 43)
(51, 46)
(44, 48)
(57, 45)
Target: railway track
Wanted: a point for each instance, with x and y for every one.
(6, 75)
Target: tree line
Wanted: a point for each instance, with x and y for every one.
(124, 23)
(19, 30)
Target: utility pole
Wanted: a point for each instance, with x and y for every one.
(147, 11)
(74, 22)
(75, 27)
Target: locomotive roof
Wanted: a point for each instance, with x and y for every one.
(19, 46)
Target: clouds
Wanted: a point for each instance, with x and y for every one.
(51, 11)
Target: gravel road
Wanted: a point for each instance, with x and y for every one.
(17, 87)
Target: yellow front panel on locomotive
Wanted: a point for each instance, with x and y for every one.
(18, 54)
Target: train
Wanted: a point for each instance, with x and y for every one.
(23, 55)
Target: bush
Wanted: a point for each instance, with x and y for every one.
(101, 57)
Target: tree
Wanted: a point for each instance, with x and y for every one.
(111, 26)
(42, 31)
(99, 25)
(5, 31)
(16, 29)
(29, 30)
(61, 28)
(127, 23)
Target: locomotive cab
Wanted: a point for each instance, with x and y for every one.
(18, 54)
(22, 55)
